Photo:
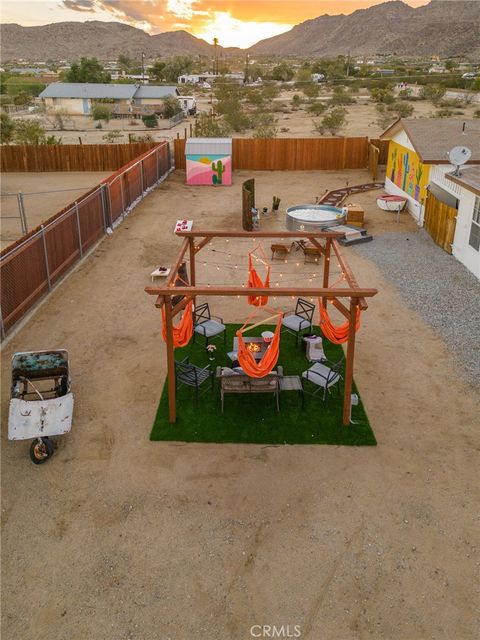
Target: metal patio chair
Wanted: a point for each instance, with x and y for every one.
(323, 376)
(206, 325)
(190, 375)
(300, 319)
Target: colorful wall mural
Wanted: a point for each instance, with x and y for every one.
(405, 169)
(209, 169)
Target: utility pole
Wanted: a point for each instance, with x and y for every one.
(215, 64)
(246, 68)
(143, 68)
(348, 64)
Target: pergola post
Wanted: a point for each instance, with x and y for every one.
(326, 267)
(172, 405)
(347, 396)
(191, 244)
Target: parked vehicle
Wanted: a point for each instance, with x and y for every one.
(41, 402)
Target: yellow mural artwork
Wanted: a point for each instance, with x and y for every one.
(407, 172)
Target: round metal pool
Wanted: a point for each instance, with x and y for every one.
(313, 217)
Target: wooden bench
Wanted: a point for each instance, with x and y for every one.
(232, 382)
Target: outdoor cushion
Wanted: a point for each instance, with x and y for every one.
(323, 372)
(295, 323)
(226, 371)
(209, 328)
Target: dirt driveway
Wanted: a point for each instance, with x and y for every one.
(120, 538)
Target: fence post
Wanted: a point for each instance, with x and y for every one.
(2, 327)
(142, 179)
(46, 258)
(156, 164)
(77, 214)
(123, 197)
(21, 210)
(104, 207)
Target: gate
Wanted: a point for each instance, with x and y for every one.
(440, 221)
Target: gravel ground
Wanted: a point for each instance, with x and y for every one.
(440, 288)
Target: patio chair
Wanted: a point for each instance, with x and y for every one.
(300, 319)
(323, 376)
(280, 251)
(190, 375)
(207, 325)
(311, 254)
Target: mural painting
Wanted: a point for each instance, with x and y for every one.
(406, 171)
(209, 169)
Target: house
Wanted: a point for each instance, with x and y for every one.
(77, 98)
(209, 78)
(418, 160)
(466, 242)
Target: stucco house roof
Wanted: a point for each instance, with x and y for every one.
(89, 90)
(469, 178)
(433, 138)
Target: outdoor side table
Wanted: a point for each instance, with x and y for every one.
(292, 383)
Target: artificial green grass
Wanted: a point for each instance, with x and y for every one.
(253, 418)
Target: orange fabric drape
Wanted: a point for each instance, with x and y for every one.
(255, 282)
(262, 368)
(184, 330)
(335, 333)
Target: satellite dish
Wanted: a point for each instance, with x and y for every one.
(459, 156)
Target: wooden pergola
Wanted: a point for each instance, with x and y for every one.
(325, 241)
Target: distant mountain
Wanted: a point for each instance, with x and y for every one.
(103, 40)
(443, 28)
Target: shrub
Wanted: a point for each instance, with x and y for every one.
(332, 122)
(237, 120)
(433, 92)
(476, 113)
(22, 98)
(171, 106)
(317, 108)
(401, 108)
(382, 94)
(340, 97)
(296, 101)
(7, 128)
(405, 94)
(385, 116)
(207, 126)
(101, 112)
(111, 136)
(29, 132)
(150, 121)
(311, 90)
(266, 131)
(443, 113)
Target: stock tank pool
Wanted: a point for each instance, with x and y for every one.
(313, 217)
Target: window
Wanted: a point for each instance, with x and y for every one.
(474, 240)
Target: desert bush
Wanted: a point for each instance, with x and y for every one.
(134, 138)
(101, 112)
(405, 94)
(171, 106)
(283, 72)
(383, 95)
(332, 122)
(451, 103)
(237, 120)
(52, 140)
(311, 90)
(150, 121)
(401, 108)
(29, 132)
(7, 128)
(433, 92)
(476, 113)
(443, 113)
(317, 108)
(340, 97)
(265, 131)
(207, 126)
(296, 101)
(385, 117)
(112, 136)
(22, 98)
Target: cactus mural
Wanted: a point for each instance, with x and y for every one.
(406, 167)
(394, 160)
(418, 178)
(411, 176)
(398, 181)
(218, 168)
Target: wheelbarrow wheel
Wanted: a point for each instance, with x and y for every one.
(41, 450)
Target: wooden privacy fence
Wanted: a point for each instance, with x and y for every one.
(70, 157)
(373, 156)
(382, 146)
(291, 154)
(440, 221)
(32, 266)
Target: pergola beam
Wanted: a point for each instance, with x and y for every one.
(204, 290)
(260, 234)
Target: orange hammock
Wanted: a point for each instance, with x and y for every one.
(184, 330)
(262, 368)
(254, 282)
(335, 333)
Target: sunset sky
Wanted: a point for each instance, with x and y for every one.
(238, 23)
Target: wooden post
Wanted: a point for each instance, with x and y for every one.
(79, 140)
(172, 404)
(191, 130)
(347, 398)
(326, 267)
(191, 242)
(185, 133)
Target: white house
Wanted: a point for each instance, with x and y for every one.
(77, 98)
(418, 160)
(466, 242)
(209, 78)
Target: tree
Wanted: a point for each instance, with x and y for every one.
(113, 135)
(157, 71)
(177, 66)
(87, 70)
(450, 65)
(432, 92)
(29, 132)
(7, 128)
(382, 94)
(15, 85)
(208, 127)
(101, 111)
(124, 62)
(282, 72)
(171, 106)
(332, 122)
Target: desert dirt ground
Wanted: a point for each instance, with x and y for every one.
(121, 538)
(44, 195)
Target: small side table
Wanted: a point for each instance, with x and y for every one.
(160, 273)
(291, 383)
